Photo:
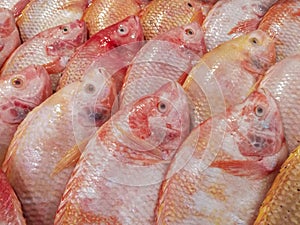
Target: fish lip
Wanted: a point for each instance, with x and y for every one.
(86, 111)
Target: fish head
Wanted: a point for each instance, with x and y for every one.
(190, 36)
(23, 91)
(95, 98)
(259, 51)
(7, 22)
(161, 120)
(258, 126)
(64, 39)
(126, 36)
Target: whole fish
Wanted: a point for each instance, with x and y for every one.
(64, 120)
(9, 35)
(231, 18)
(16, 6)
(103, 13)
(226, 75)
(51, 49)
(117, 178)
(127, 31)
(281, 205)
(223, 170)
(10, 207)
(40, 15)
(283, 82)
(169, 56)
(282, 23)
(162, 15)
(19, 94)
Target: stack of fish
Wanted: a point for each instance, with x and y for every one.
(149, 112)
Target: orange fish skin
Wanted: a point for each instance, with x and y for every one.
(18, 99)
(10, 207)
(40, 15)
(283, 81)
(52, 49)
(166, 57)
(281, 205)
(117, 178)
(100, 44)
(103, 13)
(162, 15)
(9, 35)
(61, 122)
(231, 18)
(225, 167)
(282, 24)
(230, 71)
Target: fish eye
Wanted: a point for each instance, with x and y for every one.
(259, 111)
(122, 30)
(90, 88)
(254, 41)
(190, 5)
(17, 82)
(189, 31)
(162, 107)
(65, 30)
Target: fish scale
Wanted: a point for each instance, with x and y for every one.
(162, 15)
(116, 180)
(231, 18)
(103, 13)
(281, 205)
(211, 179)
(282, 23)
(41, 15)
(283, 81)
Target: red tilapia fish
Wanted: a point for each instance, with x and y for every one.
(283, 82)
(16, 6)
(40, 15)
(281, 205)
(127, 31)
(231, 18)
(19, 94)
(163, 15)
(104, 13)
(45, 136)
(227, 74)
(10, 207)
(282, 23)
(51, 48)
(9, 35)
(223, 170)
(169, 56)
(119, 173)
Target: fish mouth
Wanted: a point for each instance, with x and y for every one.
(94, 116)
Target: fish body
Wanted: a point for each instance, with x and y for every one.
(226, 75)
(283, 81)
(231, 18)
(61, 122)
(169, 56)
(118, 35)
(40, 15)
(162, 15)
(282, 201)
(19, 94)
(10, 207)
(51, 49)
(103, 13)
(282, 23)
(225, 166)
(117, 178)
(9, 34)
(16, 6)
